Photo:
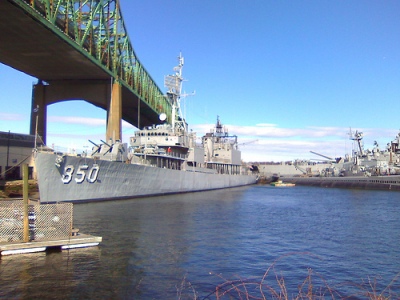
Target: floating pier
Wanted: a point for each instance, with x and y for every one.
(46, 226)
(28, 226)
(78, 241)
(43, 227)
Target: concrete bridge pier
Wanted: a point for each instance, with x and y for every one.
(100, 93)
(39, 111)
(114, 114)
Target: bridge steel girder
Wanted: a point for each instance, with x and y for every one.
(95, 30)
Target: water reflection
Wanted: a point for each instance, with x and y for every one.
(27, 275)
(150, 245)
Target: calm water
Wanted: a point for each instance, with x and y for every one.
(152, 246)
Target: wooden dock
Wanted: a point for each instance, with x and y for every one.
(29, 228)
(77, 241)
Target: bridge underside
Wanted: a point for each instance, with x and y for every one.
(27, 45)
(96, 92)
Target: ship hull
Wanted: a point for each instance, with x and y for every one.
(351, 182)
(291, 170)
(88, 180)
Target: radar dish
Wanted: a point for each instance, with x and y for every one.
(162, 117)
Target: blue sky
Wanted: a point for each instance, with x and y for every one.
(293, 75)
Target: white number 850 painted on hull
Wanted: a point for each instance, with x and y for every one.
(80, 174)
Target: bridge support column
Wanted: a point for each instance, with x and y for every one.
(39, 111)
(114, 114)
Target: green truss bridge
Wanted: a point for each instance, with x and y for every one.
(79, 50)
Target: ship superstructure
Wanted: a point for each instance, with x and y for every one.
(375, 162)
(221, 150)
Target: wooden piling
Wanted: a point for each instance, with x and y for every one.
(26, 201)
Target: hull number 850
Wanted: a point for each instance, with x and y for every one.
(81, 174)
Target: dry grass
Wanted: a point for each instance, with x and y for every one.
(13, 189)
(272, 286)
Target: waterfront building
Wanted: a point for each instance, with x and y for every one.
(16, 149)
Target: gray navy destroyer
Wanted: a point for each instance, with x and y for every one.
(160, 159)
(364, 169)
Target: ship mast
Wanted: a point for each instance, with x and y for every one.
(174, 94)
(357, 137)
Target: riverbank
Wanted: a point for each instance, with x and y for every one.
(14, 189)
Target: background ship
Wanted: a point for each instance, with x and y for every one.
(160, 159)
(363, 169)
(361, 162)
